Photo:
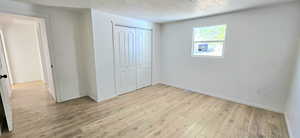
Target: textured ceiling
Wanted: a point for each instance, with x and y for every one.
(161, 10)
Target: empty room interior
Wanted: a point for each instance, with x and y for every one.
(150, 69)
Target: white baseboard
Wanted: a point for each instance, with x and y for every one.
(229, 99)
(70, 98)
(155, 82)
(288, 125)
(93, 98)
(106, 98)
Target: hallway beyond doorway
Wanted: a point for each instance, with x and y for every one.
(25, 96)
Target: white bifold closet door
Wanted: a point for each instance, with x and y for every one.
(125, 60)
(143, 45)
(132, 58)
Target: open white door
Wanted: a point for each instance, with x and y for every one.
(5, 88)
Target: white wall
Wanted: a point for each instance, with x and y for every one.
(259, 51)
(85, 52)
(156, 54)
(103, 50)
(82, 65)
(23, 52)
(62, 30)
(293, 103)
(65, 40)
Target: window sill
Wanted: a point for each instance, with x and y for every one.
(203, 56)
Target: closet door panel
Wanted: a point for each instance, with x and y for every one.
(125, 59)
(131, 67)
(143, 44)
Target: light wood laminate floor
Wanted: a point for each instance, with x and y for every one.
(158, 111)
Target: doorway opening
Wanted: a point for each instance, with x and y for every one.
(26, 69)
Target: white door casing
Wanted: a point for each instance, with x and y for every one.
(44, 49)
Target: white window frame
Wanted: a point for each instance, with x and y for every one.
(207, 56)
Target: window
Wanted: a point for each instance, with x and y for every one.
(209, 41)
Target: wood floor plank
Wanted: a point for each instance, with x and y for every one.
(159, 111)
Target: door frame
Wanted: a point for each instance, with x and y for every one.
(44, 23)
(41, 32)
(44, 42)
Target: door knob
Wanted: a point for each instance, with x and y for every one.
(3, 76)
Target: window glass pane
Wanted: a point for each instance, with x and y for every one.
(210, 33)
(208, 49)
